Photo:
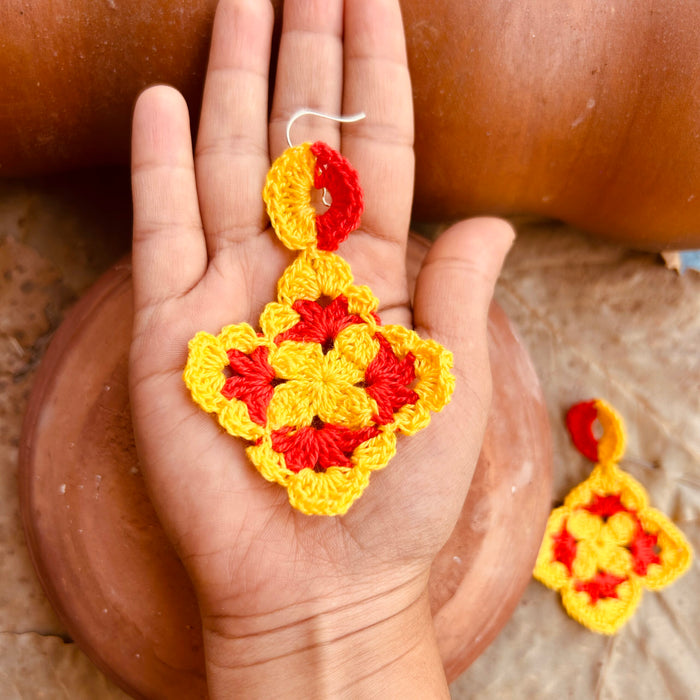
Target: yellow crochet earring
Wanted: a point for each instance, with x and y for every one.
(605, 544)
(321, 391)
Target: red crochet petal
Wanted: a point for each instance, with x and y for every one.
(602, 585)
(387, 381)
(644, 551)
(606, 506)
(320, 324)
(579, 420)
(252, 382)
(320, 447)
(334, 173)
(564, 549)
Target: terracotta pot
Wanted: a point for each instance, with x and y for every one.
(113, 577)
(586, 112)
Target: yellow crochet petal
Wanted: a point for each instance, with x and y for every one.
(277, 318)
(326, 493)
(347, 406)
(310, 277)
(204, 371)
(605, 480)
(586, 562)
(674, 550)
(332, 272)
(553, 574)
(611, 445)
(234, 418)
(362, 302)
(617, 560)
(293, 403)
(621, 528)
(583, 525)
(269, 463)
(356, 344)
(241, 337)
(336, 369)
(287, 194)
(608, 614)
(376, 452)
(297, 360)
(298, 282)
(410, 419)
(632, 493)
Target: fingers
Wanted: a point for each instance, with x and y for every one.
(453, 294)
(232, 149)
(309, 73)
(454, 291)
(169, 254)
(377, 82)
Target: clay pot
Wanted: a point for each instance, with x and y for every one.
(586, 112)
(116, 582)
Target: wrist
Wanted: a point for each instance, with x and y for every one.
(381, 646)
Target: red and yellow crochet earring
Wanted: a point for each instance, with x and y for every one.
(605, 544)
(321, 391)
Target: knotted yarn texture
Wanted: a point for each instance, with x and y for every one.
(606, 544)
(323, 389)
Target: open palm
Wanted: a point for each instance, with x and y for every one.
(204, 257)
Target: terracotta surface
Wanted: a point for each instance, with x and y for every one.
(586, 112)
(98, 547)
(598, 320)
(115, 581)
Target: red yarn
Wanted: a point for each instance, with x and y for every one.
(579, 421)
(564, 548)
(644, 551)
(334, 173)
(606, 506)
(387, 380)
(602, 585)
(320, 324)
(319, 448)
(252, 382)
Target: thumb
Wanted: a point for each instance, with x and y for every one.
(453, 294)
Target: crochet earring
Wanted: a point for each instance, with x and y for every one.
(322, 390)
(605, 544)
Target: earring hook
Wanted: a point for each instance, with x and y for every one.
(311, 112)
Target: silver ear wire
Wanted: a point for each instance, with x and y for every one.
(336, 118)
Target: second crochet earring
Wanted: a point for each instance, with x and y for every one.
(606, 543)
(323, 389)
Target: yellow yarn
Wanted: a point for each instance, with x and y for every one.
(605, 538)
(316, 383)
(287, 194)
(611, 445)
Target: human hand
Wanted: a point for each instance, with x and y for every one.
(288, 601)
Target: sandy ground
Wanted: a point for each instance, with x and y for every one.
(598, 321)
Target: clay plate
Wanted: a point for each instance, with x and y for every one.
(116, 582)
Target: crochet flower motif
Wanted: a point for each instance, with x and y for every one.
(605, 544)
(323, 389)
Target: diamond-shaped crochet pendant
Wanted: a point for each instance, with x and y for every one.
(323, 389)
(606, 543)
